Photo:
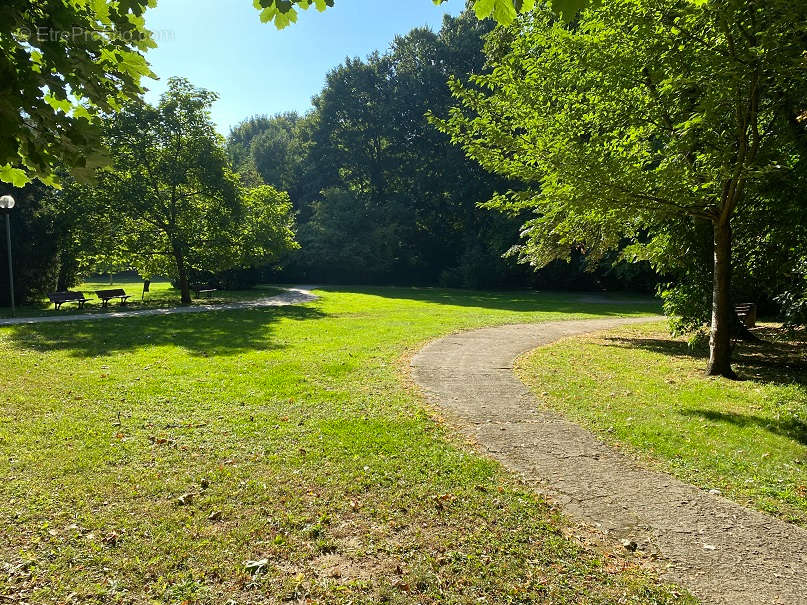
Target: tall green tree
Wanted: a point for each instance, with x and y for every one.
(279, 151)
(239, 141)
(396, 186)
(640, 114)
(176, 204)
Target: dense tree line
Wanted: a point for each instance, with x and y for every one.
(381, 195)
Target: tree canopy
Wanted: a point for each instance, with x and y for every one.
(62, 64)
(381, 195)
(638, 120)
(284, 12)
(66, 62)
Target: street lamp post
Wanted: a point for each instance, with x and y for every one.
(6, 204)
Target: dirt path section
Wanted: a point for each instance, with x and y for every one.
(292, 296)
(719, 550)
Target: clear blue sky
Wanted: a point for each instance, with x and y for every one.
(221, 45)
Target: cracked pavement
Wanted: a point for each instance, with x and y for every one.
(721, 551)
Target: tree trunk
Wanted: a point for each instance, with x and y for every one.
(182, 275)
(720, 338)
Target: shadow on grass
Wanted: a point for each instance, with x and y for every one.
(204, 334)
(791, 428)
(767, 361)
(525, 301)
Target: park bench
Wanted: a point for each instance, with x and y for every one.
(59, 298)
(107, 295)
(747, 314)
(200, 289)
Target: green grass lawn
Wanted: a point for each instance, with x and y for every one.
(145, 460)
(161, 294)
(639, 388)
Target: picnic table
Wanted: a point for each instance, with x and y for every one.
(107, 295)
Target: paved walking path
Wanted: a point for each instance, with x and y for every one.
(719, 550)
(291, 296)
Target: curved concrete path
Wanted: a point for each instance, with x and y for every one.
(719, 550)
(292, 296)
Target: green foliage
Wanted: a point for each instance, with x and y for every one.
(794, 299)
(53, 233)
(173, 202)
(239, 141)
(620, 122)
(34, 235)
(381, 195)
(342, 234)
(284, 12)
(771, 246)
(769, 243)
(266, 232)
(279, 150)
(62, 62)
(637, 121)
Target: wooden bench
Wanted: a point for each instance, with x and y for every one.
(59, 298)
(200, 289)
(747, 314)
(107, 295)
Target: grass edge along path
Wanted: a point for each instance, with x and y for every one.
(722, 551)
(641, 390)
